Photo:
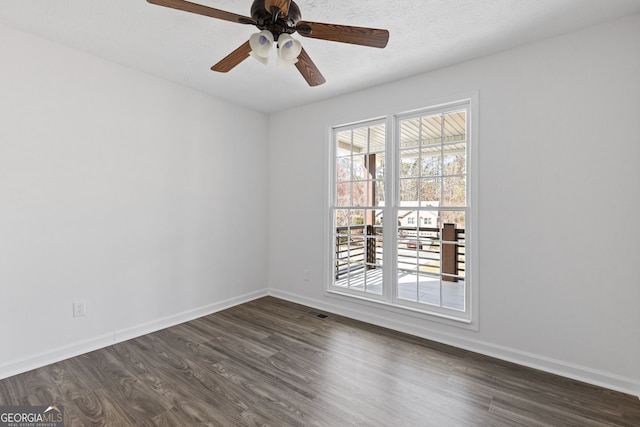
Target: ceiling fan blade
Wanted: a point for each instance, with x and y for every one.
(372, 37)
(234, 58)
(309, 70)
(203, 10)
(283, 5)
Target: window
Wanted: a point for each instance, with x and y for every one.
(401, 230)
(358, 208)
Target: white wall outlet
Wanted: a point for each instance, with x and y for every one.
(305, 275)
(79, 308)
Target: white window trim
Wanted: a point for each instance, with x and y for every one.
(470, 319)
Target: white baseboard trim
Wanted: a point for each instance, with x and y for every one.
(186, 316)
(85, 346)
(554, 366)
(55, 355)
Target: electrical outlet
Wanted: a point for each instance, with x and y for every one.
(79, 308)
(305, 275)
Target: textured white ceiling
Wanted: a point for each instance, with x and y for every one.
(181, 47)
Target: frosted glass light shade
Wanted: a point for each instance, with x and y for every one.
(261, 45)
(288, 50)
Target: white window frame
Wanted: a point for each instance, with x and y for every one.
(467, 319)
(332, 197)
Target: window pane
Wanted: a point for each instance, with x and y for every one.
(374, 252)
(429, 257)
(409, 164)
(360, 143)
(377, 244)
(341, 217)
(343, 143)
(369, 216)
(343, 169)
(431, 162)
(409, 133)
(356, 218)
(358, 171)
(409, 191)
(342, 153)
(377, 138)
(407, 255)
(454, 191)
(430, 192)
(343, 194)
(373, 280)
(432, 130)
(380, 165)
(453, 262)
(407, 222)
(461, 262)
(455, 126)
(379, 193)
(456, 218)
(360, 193)
(455, 163)
(429, 291)
(356, 252)
(407, 285)
(453, 295)
(429, 224)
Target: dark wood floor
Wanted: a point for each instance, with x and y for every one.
(271, 362)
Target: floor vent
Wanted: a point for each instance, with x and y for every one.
(316, 314)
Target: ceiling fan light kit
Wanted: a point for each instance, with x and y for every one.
(261, 45)
(288, 50)
(277, 20)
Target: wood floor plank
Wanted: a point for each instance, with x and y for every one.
(274, 363)
(202, 382)
(15, 388)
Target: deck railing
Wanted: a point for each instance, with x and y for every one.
(425, 249)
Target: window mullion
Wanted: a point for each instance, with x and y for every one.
(389, 230)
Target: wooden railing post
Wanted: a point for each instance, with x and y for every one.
(371, 245)
(449, 253)
(337, 248)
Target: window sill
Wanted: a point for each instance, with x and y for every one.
(426, 315)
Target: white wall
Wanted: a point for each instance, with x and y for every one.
(559, 151)
(114, 189)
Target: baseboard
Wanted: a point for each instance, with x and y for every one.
(580, 373)
(85, 346)
(557, 367)
(55, 355)
(176, 319)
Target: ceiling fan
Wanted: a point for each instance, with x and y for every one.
(277, 20)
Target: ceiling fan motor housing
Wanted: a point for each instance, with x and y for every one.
(274, 20)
